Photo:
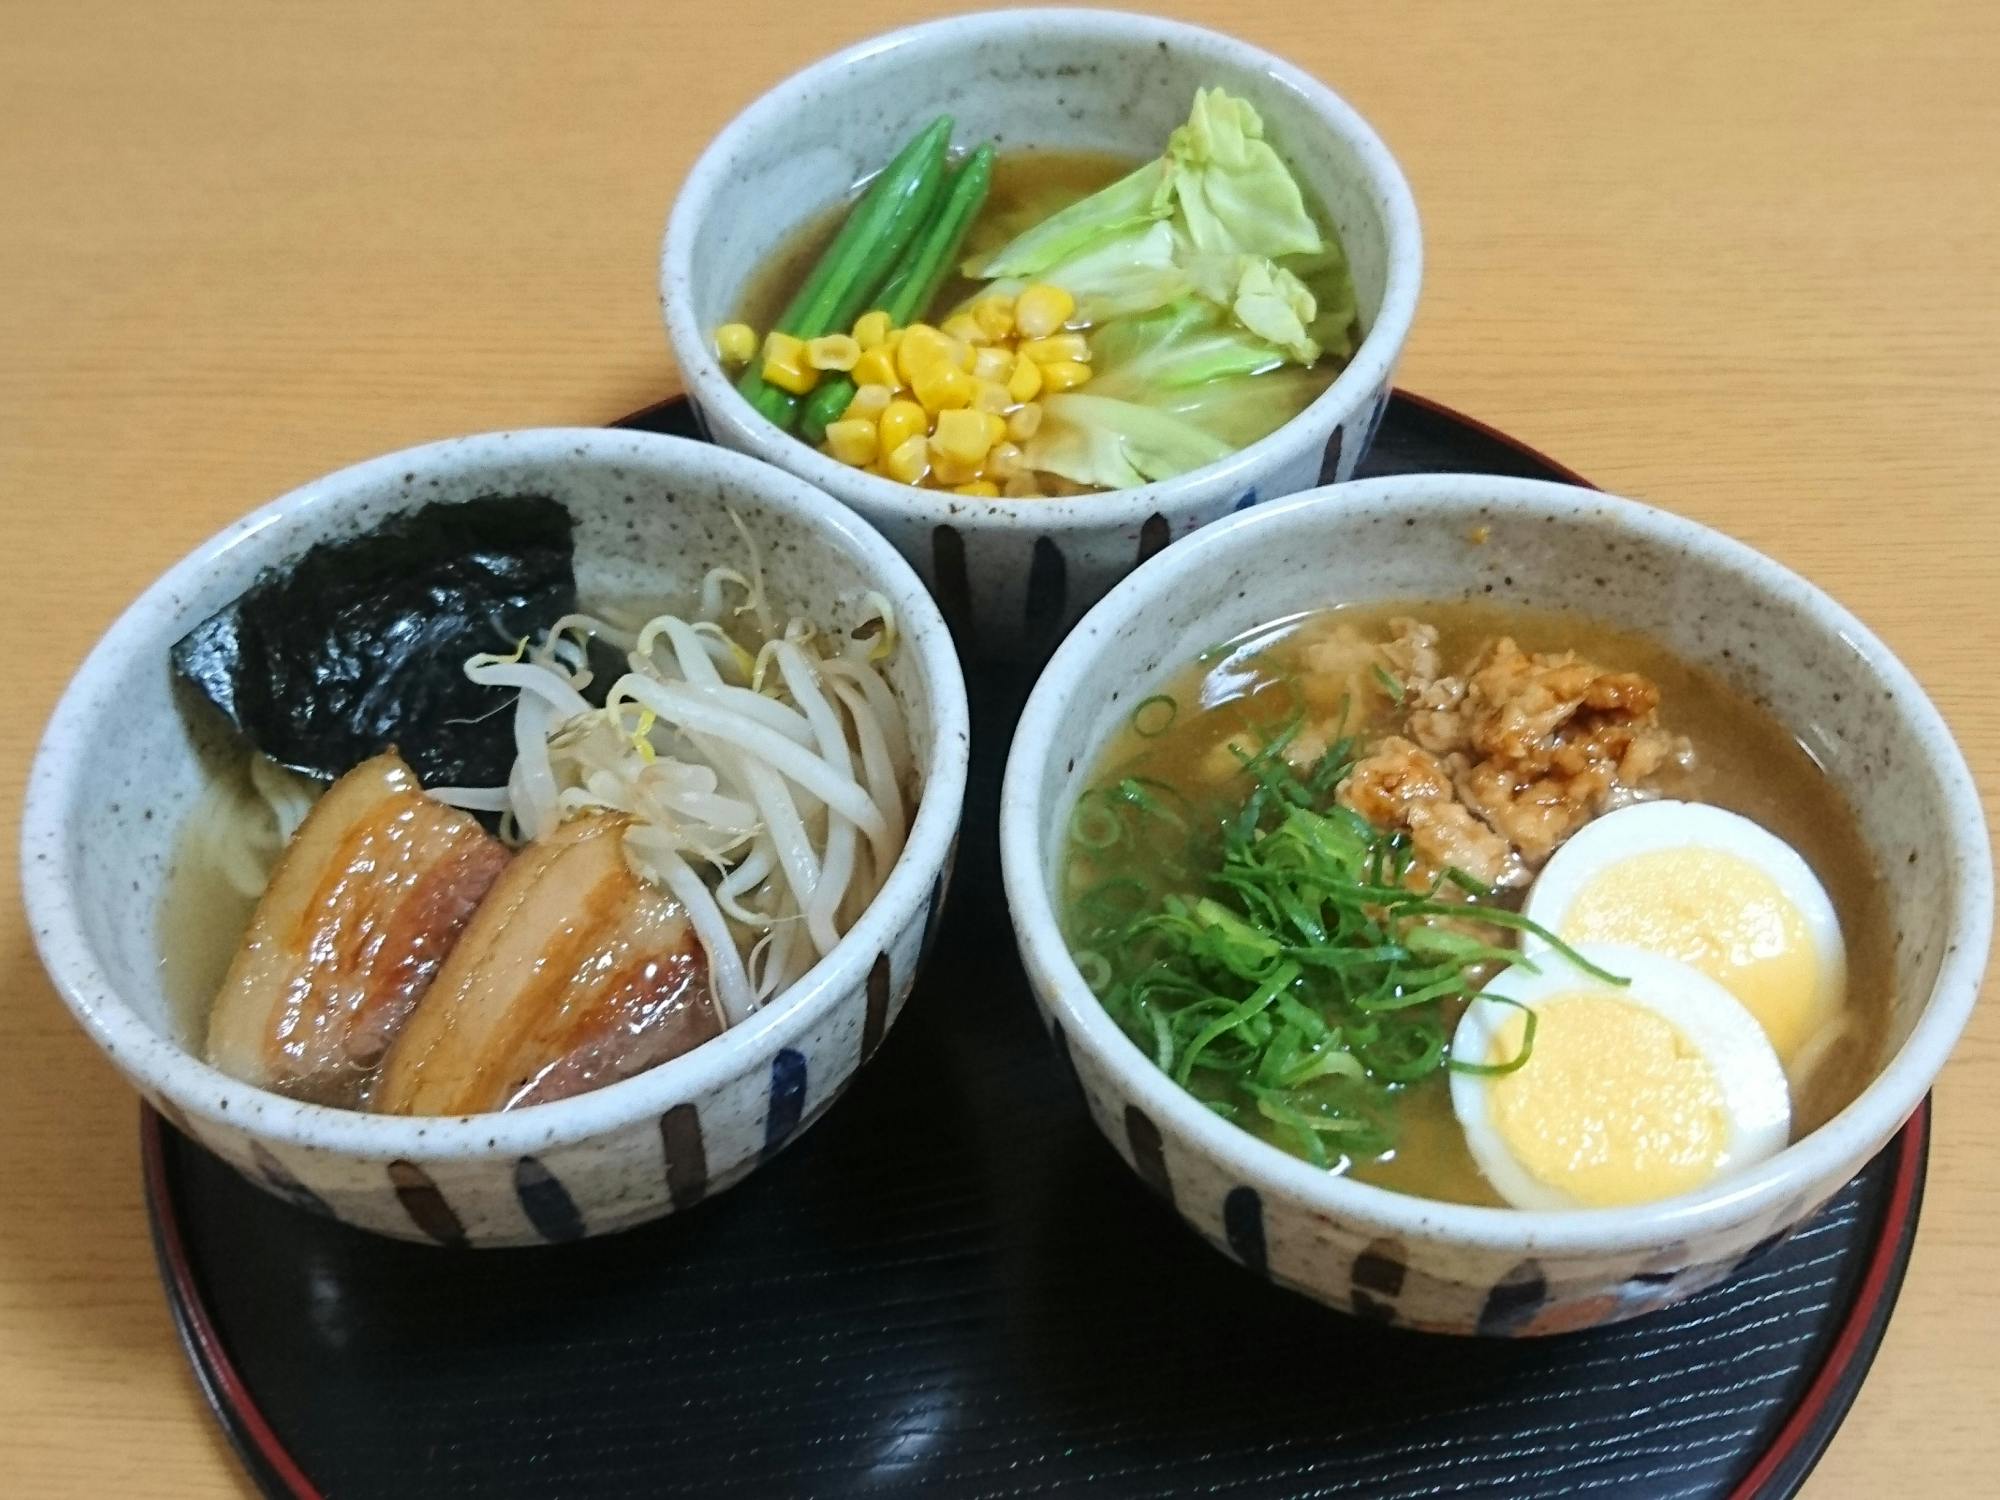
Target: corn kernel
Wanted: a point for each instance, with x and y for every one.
(990, 395)
(908, 460)
(965, 328)
(995, 315)
(871, 328)
(852, 440)
(901, 420)
(996, 427)
(942, 387)
(961, 437)
(869, 401)
(992, 364)
(1021, 487)
(965, 354)
(1042, 309)
(950, 471)
(923, 348)
(832, 351)
(736, 343)
(1026, 382)
(878, 367)
(1024, 421)
(1070, 346)
(785, 364)
(1064, 374)
(1003, 461)
(980, 489)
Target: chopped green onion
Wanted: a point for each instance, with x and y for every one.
(1495, 1070)
(1094, 825)
(1274, 952)
(1155, 716)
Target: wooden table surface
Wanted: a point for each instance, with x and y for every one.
(1737, 260)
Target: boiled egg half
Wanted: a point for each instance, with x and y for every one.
(1629, 1093)
(1715, 890)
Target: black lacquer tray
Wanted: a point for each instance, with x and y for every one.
(951, 1287)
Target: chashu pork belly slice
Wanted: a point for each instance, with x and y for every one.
(575, 973)
(364, 905)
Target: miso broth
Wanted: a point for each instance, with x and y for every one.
(1149, 831)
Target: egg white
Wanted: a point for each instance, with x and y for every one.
(1755, 1099)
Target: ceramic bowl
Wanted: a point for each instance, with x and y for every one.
(122, 763)
(1712, 600)
(1011, 575)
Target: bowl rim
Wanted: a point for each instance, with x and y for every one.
(157, 1062)
(1368, 370)
(1838, 1145)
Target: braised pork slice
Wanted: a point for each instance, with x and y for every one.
(575, 973)
(363, 908)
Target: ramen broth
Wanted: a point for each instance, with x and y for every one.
(1743, 760)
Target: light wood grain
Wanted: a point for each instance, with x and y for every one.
(1737, 260)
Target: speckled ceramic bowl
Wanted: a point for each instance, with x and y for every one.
(122, 763)
(1774, 636)
(1012, 574)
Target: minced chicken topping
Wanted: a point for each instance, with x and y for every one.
(1492, 767)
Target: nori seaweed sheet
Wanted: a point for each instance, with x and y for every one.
(360, 645)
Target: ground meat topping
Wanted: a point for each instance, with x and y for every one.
(1534, 744)
(1399, 785)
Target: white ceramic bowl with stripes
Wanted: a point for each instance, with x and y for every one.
(1712, 600)
(1012, 575)
(121, 764)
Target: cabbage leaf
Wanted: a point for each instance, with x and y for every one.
(1234, 194)
(1170, 391)
(1209, 290)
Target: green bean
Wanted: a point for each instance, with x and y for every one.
(915, 280)
(862, 254)
(920, 275)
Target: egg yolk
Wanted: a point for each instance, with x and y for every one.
(1719, 913)
(1613, 1107)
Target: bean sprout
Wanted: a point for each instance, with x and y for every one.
(764, 768)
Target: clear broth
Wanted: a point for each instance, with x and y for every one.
(1745, 761)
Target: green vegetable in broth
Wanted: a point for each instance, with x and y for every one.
(1272, 951)
(915, 281)
(862, 256)
(1207, 286)
(1172, 389)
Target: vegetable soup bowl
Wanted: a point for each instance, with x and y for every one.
(1012, 575)
(1714, 602)
(122, 765)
